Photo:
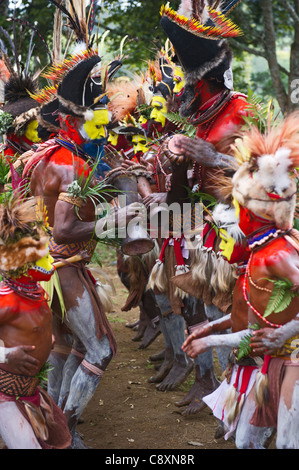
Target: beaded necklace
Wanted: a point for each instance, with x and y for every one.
(69, 144)
(247, 276)
(32, 291)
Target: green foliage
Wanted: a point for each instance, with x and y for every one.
(6, 121)
(39, 13)
(244, 345)
(140, 20)
(42, 376)
(145, 111)
(84, 188)
(4, 169)
(181, 123)
(260, 113)
(280, 297)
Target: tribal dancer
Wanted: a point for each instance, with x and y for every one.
(210, 105)
(260, 394)
(29, 419)
(85, 342)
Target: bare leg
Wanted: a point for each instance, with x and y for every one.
(152, 313)
(173, 330)
(288, 411)
(80, 320)
(205, 382)
(168, 356)
(247, 435)
(15, 430)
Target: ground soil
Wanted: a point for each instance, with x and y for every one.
(127, 412)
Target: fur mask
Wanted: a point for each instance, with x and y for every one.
(266, 182)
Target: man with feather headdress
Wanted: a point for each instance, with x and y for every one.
(58, 171)
(198, 32)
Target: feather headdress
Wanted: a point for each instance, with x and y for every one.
(22, 81)
(198, 32)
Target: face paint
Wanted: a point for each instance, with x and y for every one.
(95, 128)
(139, 143)
(159, 109)
(178, 80)
(43, 269)
(113, 138)
(237, 208)
(142, 120)
(227, 244)
(31, 131)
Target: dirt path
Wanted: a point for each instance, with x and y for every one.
(127, 412)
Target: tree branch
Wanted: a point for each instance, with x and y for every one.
(256, 52)
(270, 50)
(291, 10)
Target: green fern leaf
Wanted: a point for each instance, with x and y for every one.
(280, 297)
(244, 346)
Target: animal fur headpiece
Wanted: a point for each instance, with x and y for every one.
(23, 234)
(266, 182)
(123, 97)
(197, 32)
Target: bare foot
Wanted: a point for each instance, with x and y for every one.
(158, 357)
(177, 375)
(202, 386)
(164, 369)
(150, 334)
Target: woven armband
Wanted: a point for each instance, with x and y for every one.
(75, 201)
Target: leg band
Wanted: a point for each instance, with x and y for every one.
(95, 370)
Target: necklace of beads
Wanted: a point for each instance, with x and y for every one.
(272, 325)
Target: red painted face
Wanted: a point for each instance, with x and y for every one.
(245, 220)
(42, 270)
(35, 275)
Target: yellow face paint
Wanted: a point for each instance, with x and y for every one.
(113, 138)
(142, 120)
(139, 143)
(45, 263)
(31, 131)
(227, 244)
(237, 208)
(178, 80)
(159, 109)
(95, 129)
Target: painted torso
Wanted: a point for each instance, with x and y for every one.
(52, 176)
(276, 260)
(25, 322)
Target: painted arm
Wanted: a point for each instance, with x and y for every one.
(68, 228)
(209, 327)
(198, 346)
(19, 359)
(267, 340)
(201, 152)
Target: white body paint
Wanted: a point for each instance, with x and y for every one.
(15, 430)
